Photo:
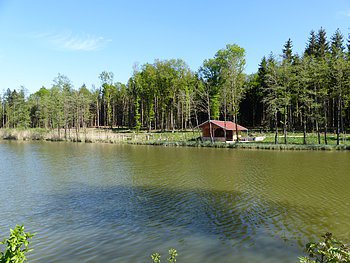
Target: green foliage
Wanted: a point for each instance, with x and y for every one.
(311, 47)
(137, 116)
(155, 257)
(16, 246)
(172, 255)
(223, 80)
(287, 51)
(171, 258)
(329, 250)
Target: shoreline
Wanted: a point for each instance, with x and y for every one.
(183, 139)
(250, 145)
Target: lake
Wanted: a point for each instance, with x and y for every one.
(120, 203)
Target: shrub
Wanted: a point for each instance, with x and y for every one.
(16, 246)
(171, 259)
(329, 250)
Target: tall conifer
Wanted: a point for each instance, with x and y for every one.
(311, 47)
(322, 45)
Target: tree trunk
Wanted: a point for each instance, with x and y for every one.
(304, 129)
(172, 120)
(225, 117)
(98, 113)
(162, 121)
(77, 125)
(325, 135)
(237, 138)
(211, 132)
(149, 119)
(141, 108)
(285, 126)
(209, 117)
(114, 119)
(77, 133)
(338, 120)
(341, 118)
(276, 128)
(291, 121)
(325, 123)
(196, 116)
(155, 112)
(333, 113)
(3, 115)
(318, 132)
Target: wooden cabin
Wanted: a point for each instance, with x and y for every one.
(221, 128)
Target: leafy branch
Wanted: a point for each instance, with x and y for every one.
(329, 250)
(16, 246)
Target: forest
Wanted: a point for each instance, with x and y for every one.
(308, 93)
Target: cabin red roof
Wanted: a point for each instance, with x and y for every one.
(227, 125)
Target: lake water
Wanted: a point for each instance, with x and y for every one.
(120, 203)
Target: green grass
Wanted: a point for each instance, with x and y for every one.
(311, 138)
(178, 136)
(294, 141)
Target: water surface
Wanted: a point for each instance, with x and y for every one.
(120, 203)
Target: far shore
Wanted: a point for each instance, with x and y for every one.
(189, 138)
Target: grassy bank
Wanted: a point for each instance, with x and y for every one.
(294, 142)
(252, 145)
(311, 138)
(178, 138)
(97, 135)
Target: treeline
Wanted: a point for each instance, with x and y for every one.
(309, 93)
(291, 92)
(164, 95)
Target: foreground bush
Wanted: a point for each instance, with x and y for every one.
(329, 250)
(171, 258)
(16, 246)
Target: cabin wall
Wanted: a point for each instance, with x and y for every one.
(217, 132)
(206, 132)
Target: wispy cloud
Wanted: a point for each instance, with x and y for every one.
(344, 14)
(73, 42)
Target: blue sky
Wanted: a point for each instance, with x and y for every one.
(82, 38)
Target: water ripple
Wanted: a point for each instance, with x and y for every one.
(103, 203)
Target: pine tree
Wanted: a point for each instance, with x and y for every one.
(338, 78)
(272, 92)
(322, 45)
(287, 51)
(311, 48)
(348, 46)
(262, 82)
(337, 46)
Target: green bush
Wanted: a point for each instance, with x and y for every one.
(171, 258)
(16, 246)
(329, 250)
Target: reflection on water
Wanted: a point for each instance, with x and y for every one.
(120, 203)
